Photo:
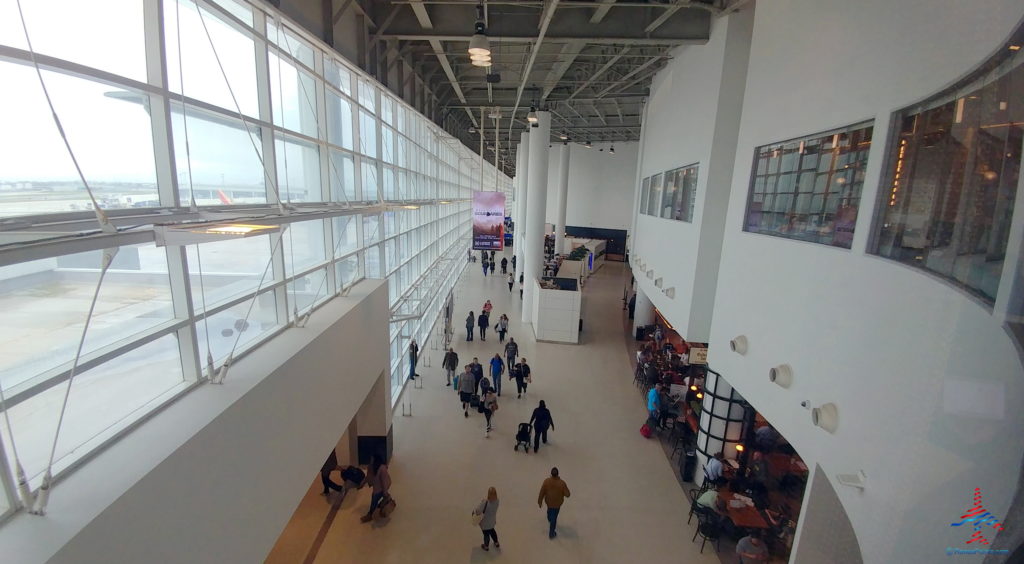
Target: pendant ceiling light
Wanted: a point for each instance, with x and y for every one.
(611, 150)
(479, 44)
(532, 116)
(588, 144)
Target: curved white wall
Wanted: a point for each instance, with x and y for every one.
(926, 379)
(600, 185)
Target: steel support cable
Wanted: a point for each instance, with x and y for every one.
(101, 216)
(42, 498)
(238, 109)
(287, 184)
(193, 207)
(23, 489)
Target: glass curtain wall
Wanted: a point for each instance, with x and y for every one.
(286, 121)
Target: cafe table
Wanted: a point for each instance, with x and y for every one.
(745, 517)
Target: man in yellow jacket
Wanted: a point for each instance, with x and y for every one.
(553, 492)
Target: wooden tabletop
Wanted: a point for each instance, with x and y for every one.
(747, 517)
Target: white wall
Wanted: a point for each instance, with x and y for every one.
(600, 185)
(216, 476)
(682, 127)
(926, 379)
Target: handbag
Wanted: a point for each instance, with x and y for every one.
(387, 506)
(479, 517)
(529, 379)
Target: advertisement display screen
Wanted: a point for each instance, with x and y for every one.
(488, 221)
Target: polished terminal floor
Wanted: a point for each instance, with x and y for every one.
(626, 504)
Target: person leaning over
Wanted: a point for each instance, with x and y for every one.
(752, 549)
(541, 421)
(450, 365)
(488, 510)
(553, 492)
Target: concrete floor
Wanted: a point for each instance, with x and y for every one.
(626, 503)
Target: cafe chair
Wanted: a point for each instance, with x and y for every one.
(694, 493)
(709, 528)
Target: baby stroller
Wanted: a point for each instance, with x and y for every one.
(523, 436)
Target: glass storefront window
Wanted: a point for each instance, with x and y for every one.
(654, 203)
(224, 168)
(809, 188)
(108, 128)
(43, 307)
(946, 202)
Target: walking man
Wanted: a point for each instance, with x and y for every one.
(414, 356)
(497, 371)
(482, 322)
(553, 492)
(504, 265)
(450, 365)
(513, 263)
(485, 265)
(478, 374)
(467, 387)
(511, 352)
(469, 326)
(541, 421)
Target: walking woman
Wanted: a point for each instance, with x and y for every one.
(511, 282)
(502, 327)
(490, 405)
(470, 323)
(522, 376)
(380, 479)
(487, 512)
(487, 308)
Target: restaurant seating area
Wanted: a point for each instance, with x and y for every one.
(762, 481)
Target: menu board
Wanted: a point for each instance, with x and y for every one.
(698, 355)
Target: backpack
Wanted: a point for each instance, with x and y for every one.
(645, 430)
(353, 474)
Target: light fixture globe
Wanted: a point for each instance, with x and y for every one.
(532, 116)
(481, 63)
(479, 57)
(479, 44)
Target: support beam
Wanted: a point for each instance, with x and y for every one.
(384, 25)
(635, 71)
(545, 20)
(443, 59)
(599, 114)
(421, 14)
(661, 19)
(604, 68)
(601, 11)
(568, 55)
(640, 78)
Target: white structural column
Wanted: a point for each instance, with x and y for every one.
(517, 200)
(536, 200)
(643, 313)
(523, 174)
(563, 198)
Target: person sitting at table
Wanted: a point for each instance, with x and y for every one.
(669, 406)
(752, 549)
(710, 500)
(713, 468)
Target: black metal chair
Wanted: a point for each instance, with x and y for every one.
(694, 493)
(709, 527)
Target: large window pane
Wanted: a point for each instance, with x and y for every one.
(654, 204)
(103, 400)
(346, 234)
(373, 269)
(954, 165)
(343, 178)
(368, 169)
(109, 38)
(371, 229)
(645, 194)
(306, 291)
(293, 93)
(222, 161)
(290, 43)
(298, 171)
(44, 303)
(228, 269)
(230, 325)
(303, 246)
(368, 96)
(339, 121)
(347, 271)
(841, 156)
(108, 128)
(338, 75)
(203, 78)
(367, 134)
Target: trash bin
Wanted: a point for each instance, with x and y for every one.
(688, 467)
(581, 325)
